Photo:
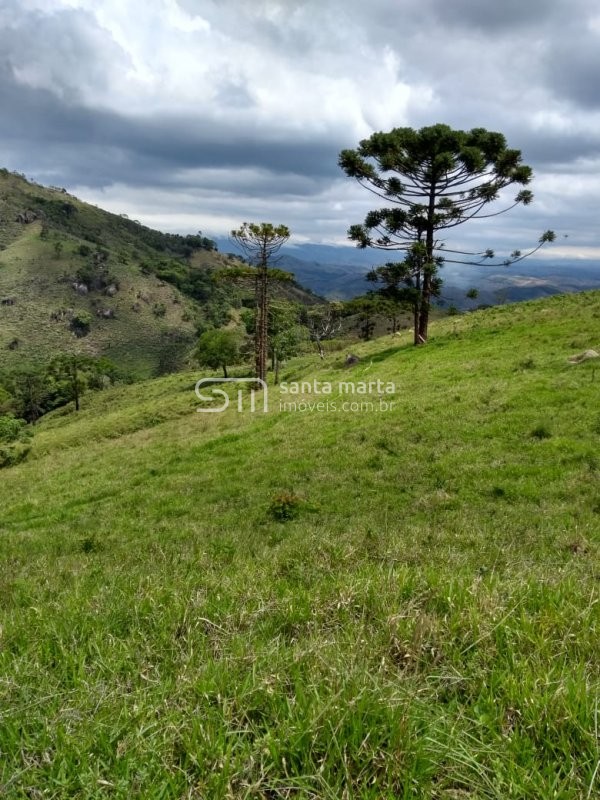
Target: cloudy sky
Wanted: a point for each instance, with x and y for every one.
(200, 114)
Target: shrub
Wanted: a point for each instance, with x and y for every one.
(6, 401)
(80, 323)
(96, 278)
(11, 429)
(285, 506)
(14, 440)
(541, 432)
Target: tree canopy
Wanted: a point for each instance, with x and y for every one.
(218, 349)
(433, 180)
(260, 241)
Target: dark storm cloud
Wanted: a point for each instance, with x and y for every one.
(493, 16)
(573, 69)
(106, 147)
(550, 149)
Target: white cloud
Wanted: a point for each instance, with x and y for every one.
(174, 75)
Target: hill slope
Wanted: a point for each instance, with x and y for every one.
(143, 291)
(378, 603)
(39, 304)
(143, 326)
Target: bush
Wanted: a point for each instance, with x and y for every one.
(541, 432)
(11, 429)
(96, 278)
(6, 401)
(14, 441)
(285, 506)
(80, 323)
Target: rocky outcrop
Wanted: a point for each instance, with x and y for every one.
(27, 217)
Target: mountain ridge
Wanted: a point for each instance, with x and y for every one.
(338, 272)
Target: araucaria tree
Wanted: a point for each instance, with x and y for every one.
(433, 180)
(261, 242)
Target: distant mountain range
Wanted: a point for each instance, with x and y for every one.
(338, 272)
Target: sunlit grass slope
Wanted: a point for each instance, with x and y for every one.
(426, 624)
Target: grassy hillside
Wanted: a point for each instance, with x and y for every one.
(147, 321)
(36, 325)
(152, 324)
(369, 604)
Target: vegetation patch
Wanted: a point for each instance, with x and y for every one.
(285, 506)
(15, 438)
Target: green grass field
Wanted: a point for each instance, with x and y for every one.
(425, 625)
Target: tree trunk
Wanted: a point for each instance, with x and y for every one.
(416, 322)
(429, 267)
(320, 347)
(264, 310)
(257, 304)
(424, 311)
(416, 307)
(225, 375)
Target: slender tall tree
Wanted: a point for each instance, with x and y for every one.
(433, 180)
(261, 243)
